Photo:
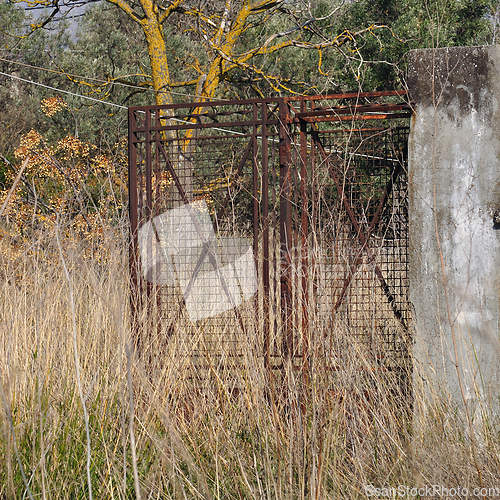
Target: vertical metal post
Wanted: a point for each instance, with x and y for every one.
(149, 209)
(285, 228)
(133, 217)
(149, 169)
(265, 233)
(304, 244)
(274, 220)
(255, 202)
(314, 223)
(156, 208)
(255, 152)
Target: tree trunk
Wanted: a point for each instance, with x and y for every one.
(157, 51)
(181, 162)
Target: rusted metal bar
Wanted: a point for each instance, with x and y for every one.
(265, 234)
(167, 140)
(149, 190)
(274, 220)
(198, 126)
(357, 130)
(347, 95)
(286, 229)
(314, 221)
(296, 230)
(352, 110)
(344, 118)
(156, 208)
(380, 111)
(149, 209)
(212, 104)
(255, 172)
(304, 248)
(133, 218)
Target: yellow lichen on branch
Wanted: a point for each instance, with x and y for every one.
(220, 30)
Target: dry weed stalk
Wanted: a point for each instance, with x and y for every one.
(250, 433)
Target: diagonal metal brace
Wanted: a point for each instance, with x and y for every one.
(362, 237)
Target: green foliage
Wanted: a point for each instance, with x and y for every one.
(410, 25)
(105, 48)
(108, 48)
(19, 101)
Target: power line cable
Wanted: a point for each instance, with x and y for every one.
(233, 132)
(98, 100)
(98, 80)
(73, 75)
(63, 91)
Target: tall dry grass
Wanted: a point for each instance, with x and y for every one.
(155, 433)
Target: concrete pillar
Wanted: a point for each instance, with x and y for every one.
(454, 172)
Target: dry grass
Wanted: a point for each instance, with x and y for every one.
(246, 435)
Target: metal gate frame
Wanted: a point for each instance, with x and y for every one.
(295, 122)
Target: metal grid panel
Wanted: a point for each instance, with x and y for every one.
(324, 211)
(216, 254)
(362, 255)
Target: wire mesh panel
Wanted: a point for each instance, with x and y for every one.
(349, 310)
(363, 249)
(259, 228)
(202, 185)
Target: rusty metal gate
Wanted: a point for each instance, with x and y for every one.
(271, 227)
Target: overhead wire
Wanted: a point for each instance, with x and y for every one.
(62, 91)
(73, 75)
(95, 100)
(234, 132)
(98, 80)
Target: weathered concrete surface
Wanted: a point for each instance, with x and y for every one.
(454, 163)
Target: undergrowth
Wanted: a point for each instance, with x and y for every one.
(249, 433)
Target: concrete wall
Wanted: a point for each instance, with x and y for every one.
(454, 163)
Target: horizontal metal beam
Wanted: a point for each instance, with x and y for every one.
(193, 126)
(206, 104)
(374, 116)
(348, 95)
(354, 110)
